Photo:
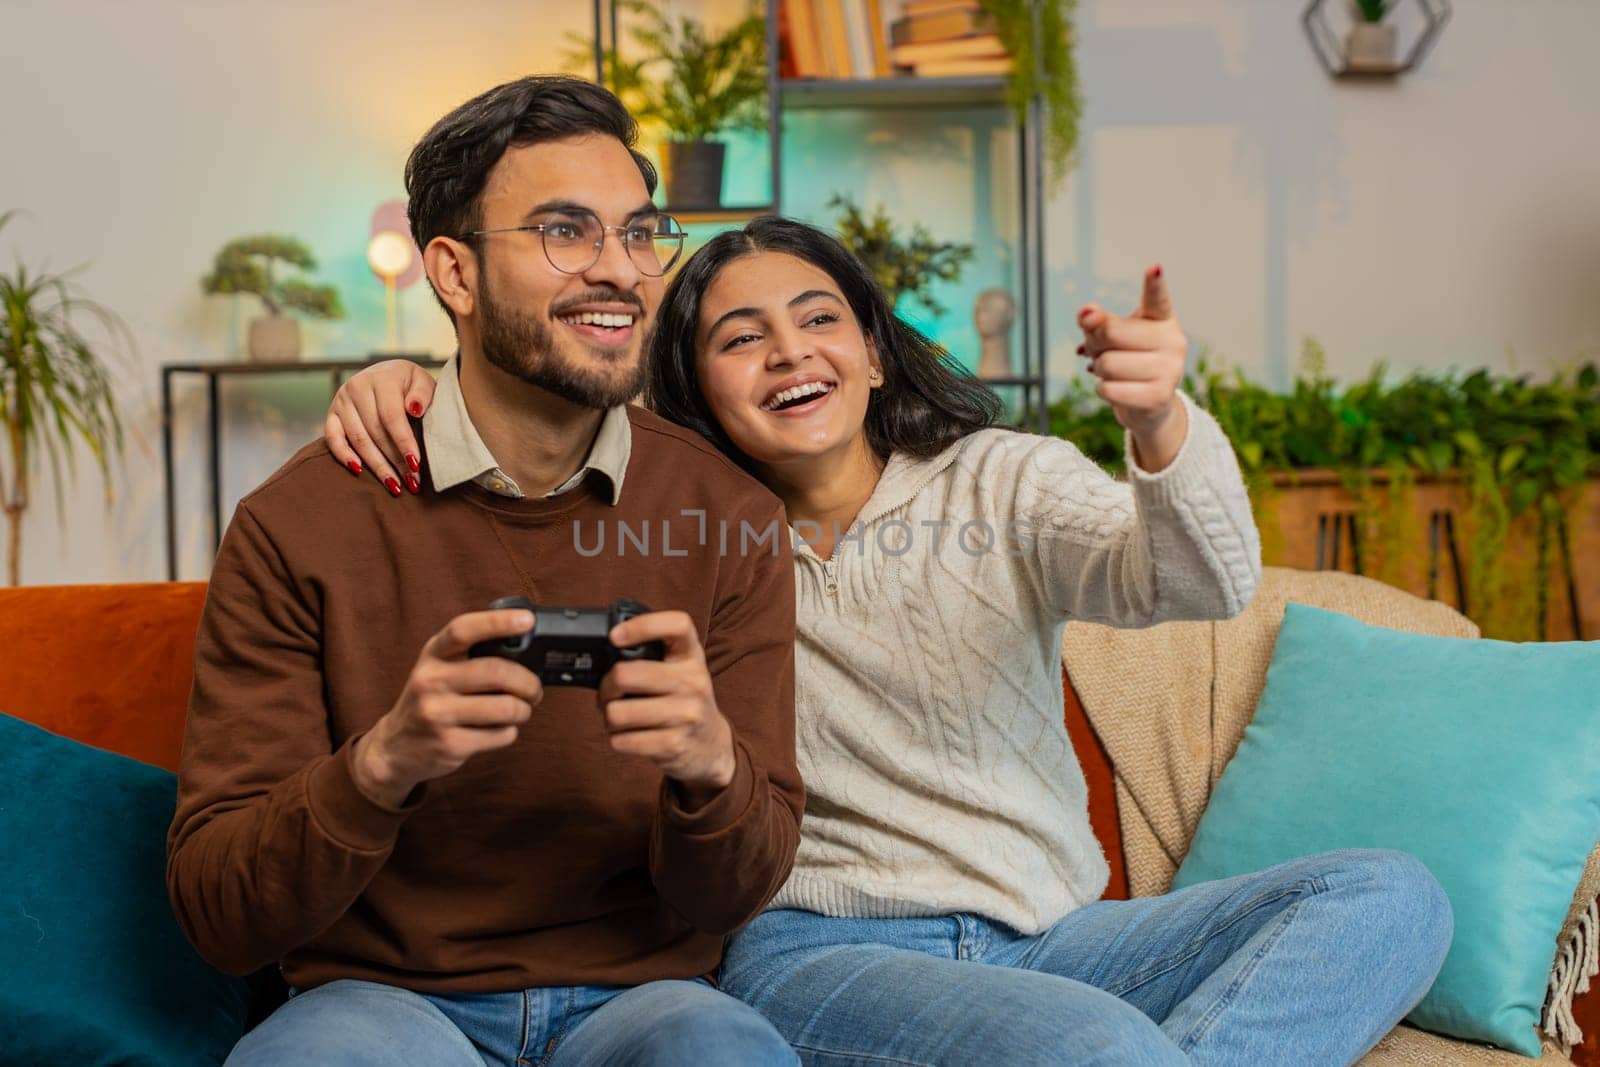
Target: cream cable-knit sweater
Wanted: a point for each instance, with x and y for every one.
(938, 772)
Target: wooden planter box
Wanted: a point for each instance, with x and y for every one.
(1307, 520)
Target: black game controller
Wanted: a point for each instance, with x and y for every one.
(569, 646)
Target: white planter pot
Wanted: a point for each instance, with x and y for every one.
(1370, 47)
(274, 339)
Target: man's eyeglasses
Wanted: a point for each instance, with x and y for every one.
(573, 241)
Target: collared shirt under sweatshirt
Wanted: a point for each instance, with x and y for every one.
(456, 452)
(552, 862)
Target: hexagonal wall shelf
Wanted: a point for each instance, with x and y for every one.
(1368, 50)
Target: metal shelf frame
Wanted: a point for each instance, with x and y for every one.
(908, 92)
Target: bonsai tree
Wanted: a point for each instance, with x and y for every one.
(1373, 10)
(690, 83)
(904, 265)
(1043, 65)
(246, 266)
(54, 387)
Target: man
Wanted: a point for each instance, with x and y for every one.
(451, 863)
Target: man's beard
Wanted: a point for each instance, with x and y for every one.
(525, 347)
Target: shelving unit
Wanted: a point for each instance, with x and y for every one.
(901, 93)
(906, 92)
(722, 215)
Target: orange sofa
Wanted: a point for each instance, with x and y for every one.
(110, 666)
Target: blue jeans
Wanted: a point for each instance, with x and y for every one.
(1310, 962)
(662, 1024)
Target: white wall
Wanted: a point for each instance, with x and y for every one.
(1449, 218)
(152, 133)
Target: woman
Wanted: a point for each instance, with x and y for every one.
(944, 903)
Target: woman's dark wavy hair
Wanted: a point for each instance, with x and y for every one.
(927, 401)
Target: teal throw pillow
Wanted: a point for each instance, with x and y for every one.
(95, 968)
(1480, 758)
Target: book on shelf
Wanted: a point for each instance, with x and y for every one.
(835, 38)
(937, 7)
(973, 46)
(800, 19)
(877, 30)
(964, 68)
(787, 67)
(940, 26)
(860, 35)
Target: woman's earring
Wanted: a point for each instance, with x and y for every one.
(873, 375)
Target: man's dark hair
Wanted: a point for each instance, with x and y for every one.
(927, 402)
(448, 168)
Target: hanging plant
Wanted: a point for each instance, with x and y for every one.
(1392, 521)
(1043, 65)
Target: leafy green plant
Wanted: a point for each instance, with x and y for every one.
(1043, 66)
(1520, 449)
(688, 82)
(904, 264)
(246, 266)
(54, 386)
(1373, 10)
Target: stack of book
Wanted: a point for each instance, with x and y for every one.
(850, 39)
(947, 38)
(834, 39)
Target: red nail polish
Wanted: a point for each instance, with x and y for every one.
(416, 409)
(1083, 350)
(393, 485)
(412, 483)
(355, 466)
(1157, 272)
(411, 461)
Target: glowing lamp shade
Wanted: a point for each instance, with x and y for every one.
(389, 254)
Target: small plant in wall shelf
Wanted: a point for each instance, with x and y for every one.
(1370, 45)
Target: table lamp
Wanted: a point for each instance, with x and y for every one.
(393, 257)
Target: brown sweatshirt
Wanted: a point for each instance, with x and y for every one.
(552, 862)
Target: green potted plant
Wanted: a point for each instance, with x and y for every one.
(906, 265)
(1043, 66)
(246, 266)
(54, 386)
(1369, 46)
(691, 85)
(1517, 462)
